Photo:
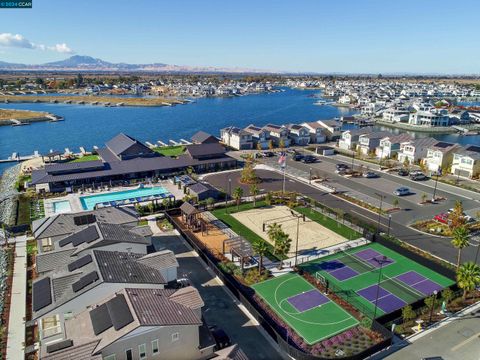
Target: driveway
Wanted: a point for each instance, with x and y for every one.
(220, 308)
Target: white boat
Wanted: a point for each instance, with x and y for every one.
(322, 102)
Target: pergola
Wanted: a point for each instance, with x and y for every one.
(52, 155)
(189, 215)
(240, 247)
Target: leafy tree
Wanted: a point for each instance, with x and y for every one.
(395, 203)
(447, 295)
(248, 175)
(79, 80)
(210, 202)
(424, 197)
(237, 195)
(261, 249)
(457, 217)
(259, 146)
(281, 144)
(460, 241)
(165, 203)
(406, 163)
(408, 314)
(430, 301)
(254, 190)
(468, 277)
(268, 199)
(270, 145)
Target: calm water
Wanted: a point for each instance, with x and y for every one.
(87, 125)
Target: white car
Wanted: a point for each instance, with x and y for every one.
(402, 191)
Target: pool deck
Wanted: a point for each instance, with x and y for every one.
(76, 205)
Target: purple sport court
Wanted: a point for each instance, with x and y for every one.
(308, 300)
(419, 282)
(386, 301)
(338, 270)
(373, 257)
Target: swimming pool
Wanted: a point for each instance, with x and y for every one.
(124, 197)
(60, 207)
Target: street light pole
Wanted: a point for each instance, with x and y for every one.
(310, 176)
(476, 253)
(229, 193)
(389, 222)
(296, 244)
(435, 188)
(384, 258)
(379, 211)
(435, 292)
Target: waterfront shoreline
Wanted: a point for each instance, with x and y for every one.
(16, 117)
(414, 128)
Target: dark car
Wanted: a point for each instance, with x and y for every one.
(221, 338)
(309, 159)
(403, 172)
(268, 154)
(341, 166)
(297, 157)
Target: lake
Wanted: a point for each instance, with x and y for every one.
(87, 125)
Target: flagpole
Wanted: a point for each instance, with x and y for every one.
(284, 168)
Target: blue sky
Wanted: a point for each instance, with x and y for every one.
(354, 36)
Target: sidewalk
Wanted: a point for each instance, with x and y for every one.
(16, 324)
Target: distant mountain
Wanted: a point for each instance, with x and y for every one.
(88, 63)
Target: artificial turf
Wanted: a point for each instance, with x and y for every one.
(313, 325)
(349, 287)
(175, 150)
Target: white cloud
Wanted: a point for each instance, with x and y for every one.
(10, 40)
(18, 41)
(61, 48)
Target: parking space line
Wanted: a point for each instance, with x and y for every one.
(465, 342)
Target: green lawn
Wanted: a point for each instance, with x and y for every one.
(238, 227)
(170, 150)
(329, 223)
(369, 276)
(313, 325)
(86, 158)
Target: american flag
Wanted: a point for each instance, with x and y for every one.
(282, 159)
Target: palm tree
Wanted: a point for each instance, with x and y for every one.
(165, 203)
(273, 230)
(261, 248)
(282, 246)
(237, 195)
(254, 192)
(468, 277)
(460, 241)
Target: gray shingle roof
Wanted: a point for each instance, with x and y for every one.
(122, 142)
(160, 260)
(200, 150)
(74, 166)
(200, 137)
(155, 307)
(188, 208)
(52, 260)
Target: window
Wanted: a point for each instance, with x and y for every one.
(175, 336)
(128, 354)
(154, 346)
(109, 357)
(142, 351)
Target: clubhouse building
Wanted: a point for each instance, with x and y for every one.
(125, 158)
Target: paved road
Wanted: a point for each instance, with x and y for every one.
(459, 340)
(220, 309)
(272, 181)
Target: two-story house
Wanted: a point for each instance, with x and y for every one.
(278, 134)
(389, 146)
(415, 150)
(136, 324)
(317, 132)
(333, 129)
(236, 138)
(69, 287)
(439, 156)
(466, 162)
(298, 134)
(260, 137)
(367, 143)
(349, 138)
(432, 118)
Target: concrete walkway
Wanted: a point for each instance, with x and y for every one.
(16, 323)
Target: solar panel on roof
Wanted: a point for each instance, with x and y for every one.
(474, 148)
(100, 318)
(88, 235)
(119, 312)
(84, 219)
(42, 294)
(77, 264)
(443, 145)
(84, 281)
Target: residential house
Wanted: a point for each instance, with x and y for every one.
(333, 128)
(390, 145)
(260, 137)
(202, 137)
(349, 138)
(67, 290)
(415, 150)
(278, 134)
(236, 138)
(439, 156)
(136, 323)
(458, 116)
(367, 143)
(317, 132)
(396, 114)
(298, 134)
(466, 162)
(431, 118)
